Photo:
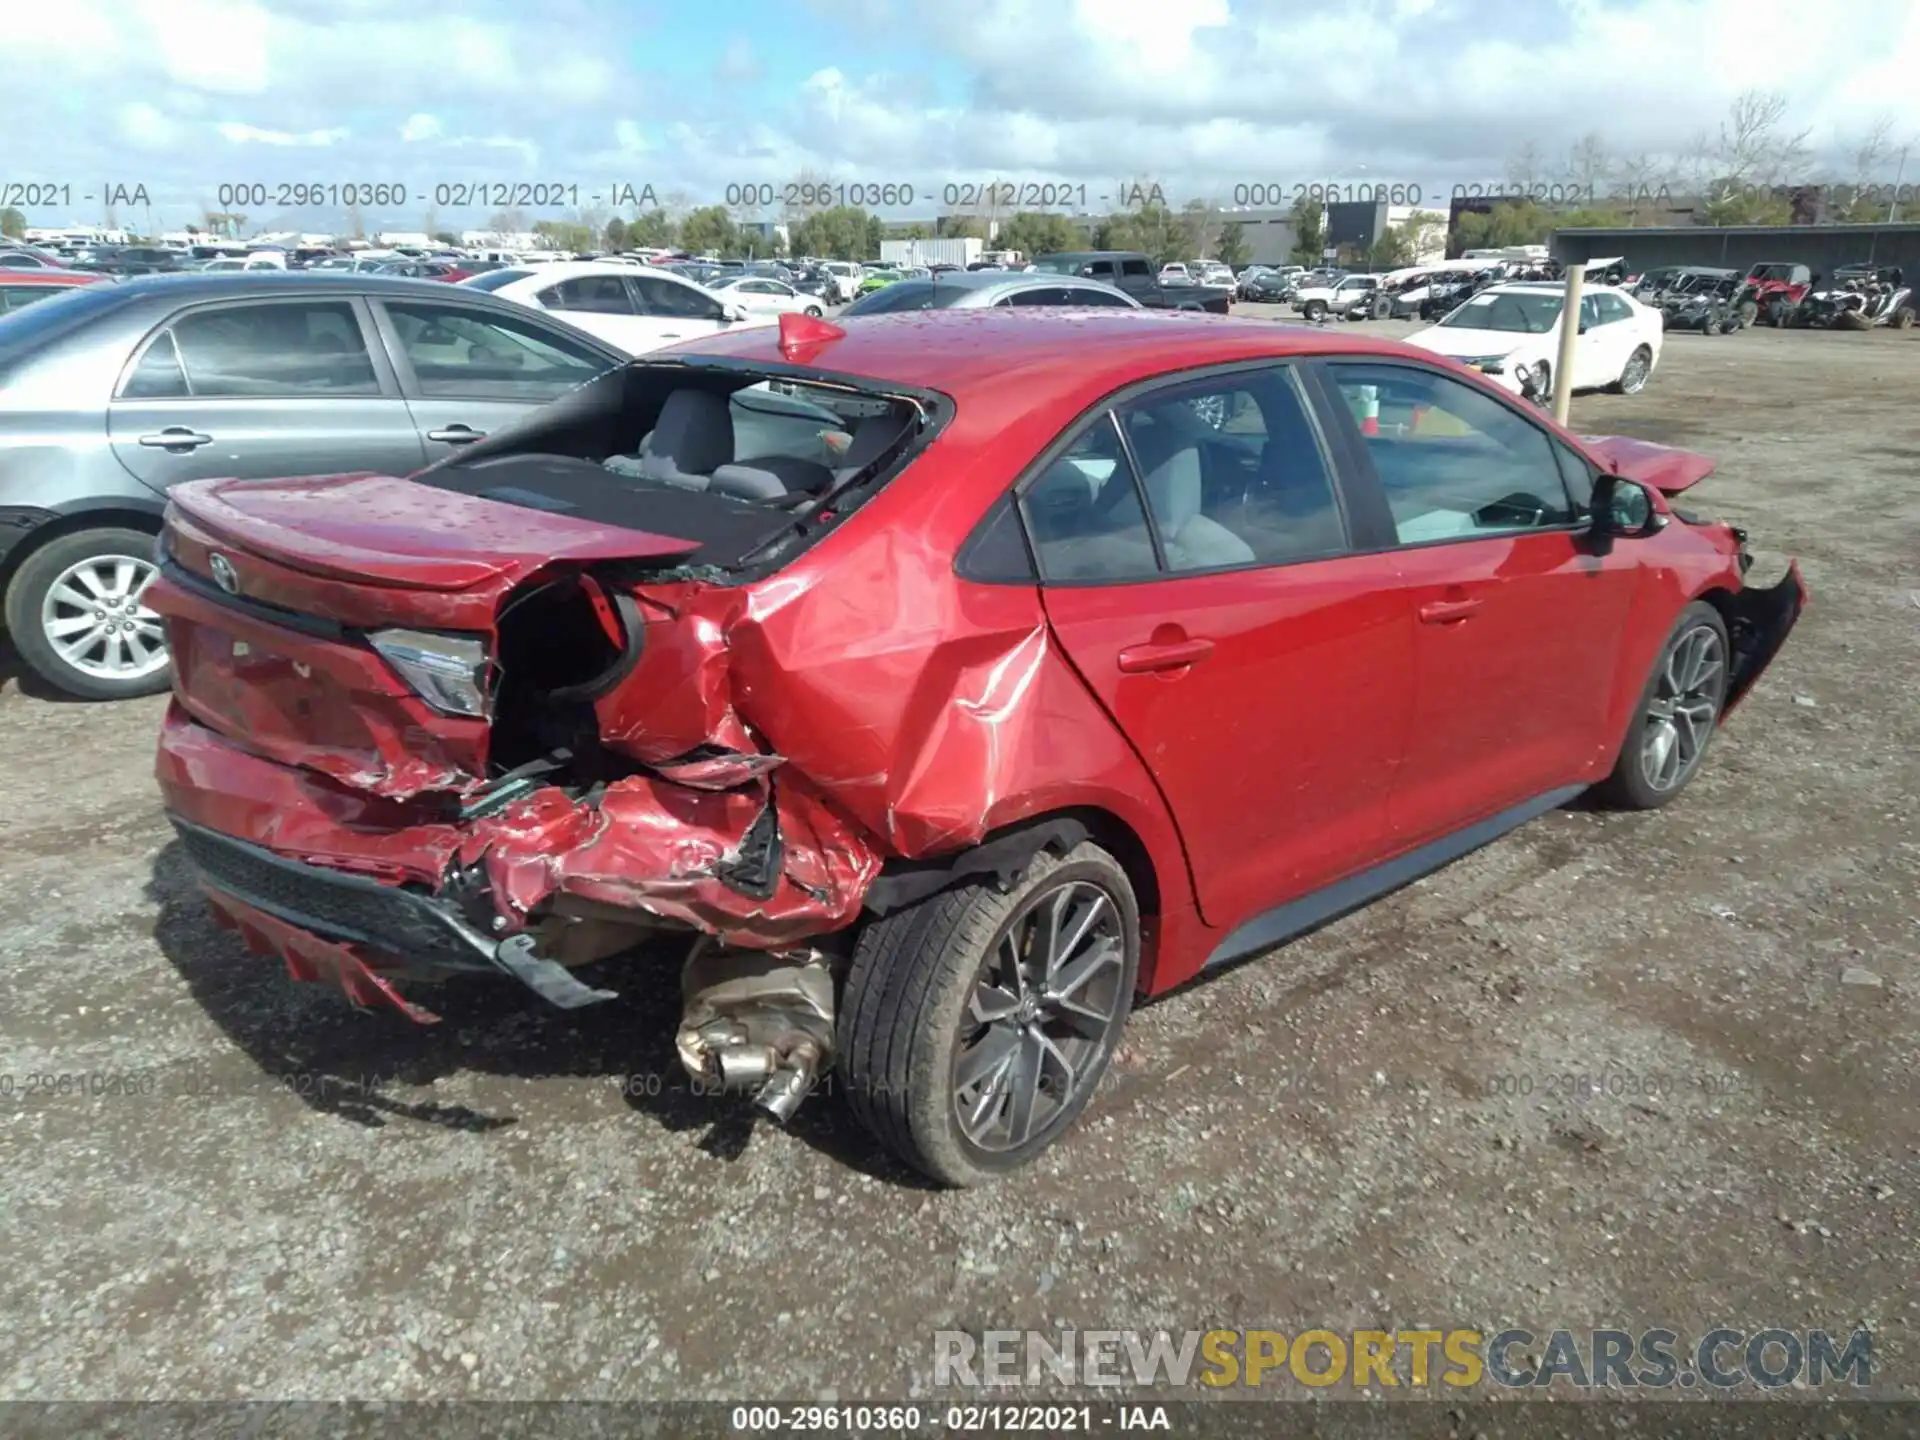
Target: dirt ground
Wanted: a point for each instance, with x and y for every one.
(1604, 1072)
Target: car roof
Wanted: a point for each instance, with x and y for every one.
(200, 285)
(1039, 357)
(1018, 280)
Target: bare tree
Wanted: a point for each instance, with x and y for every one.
(356, 227)
(1589, 168)
(1754, 146)
(1525, 167)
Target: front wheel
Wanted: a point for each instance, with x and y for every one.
(74, 611)
(1315, 310)
(1633, 378)
(1677, 714)
(814, 312)
(976, 1025)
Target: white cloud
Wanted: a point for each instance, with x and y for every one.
(214, 45)
(1200, 95)
(738, 64)
(146, 128)
(240, 134)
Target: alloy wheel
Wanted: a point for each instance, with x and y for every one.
(1045, 1004)
(94, 619)
(1685, 705)
(1634, 377)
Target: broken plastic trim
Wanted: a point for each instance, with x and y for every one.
(1006, 858)
(755, 871)
(338, 906)
(1759, 621)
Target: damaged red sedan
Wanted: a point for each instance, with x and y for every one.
(947, 681)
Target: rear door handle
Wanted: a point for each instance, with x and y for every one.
(176, 437)
(1143, 659)
(1447, 612)
(457, 435)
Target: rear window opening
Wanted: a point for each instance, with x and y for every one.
(743, 463)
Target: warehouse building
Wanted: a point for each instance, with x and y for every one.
(1822, 248)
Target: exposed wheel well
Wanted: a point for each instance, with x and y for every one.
(1008, 852)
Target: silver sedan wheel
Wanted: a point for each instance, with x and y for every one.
(94, 619)
(1686, 703)
(1046, 1001)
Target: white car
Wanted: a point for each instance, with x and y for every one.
(1174, 273)
(1349, 295)
(1214, 272)
(630, 306)
(847, 276)
(1512, 332)
(763, 295)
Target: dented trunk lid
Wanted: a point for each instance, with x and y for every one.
(1665, 468)
(381, 534)
(269, 589)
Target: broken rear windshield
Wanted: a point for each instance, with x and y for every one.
(745, 464)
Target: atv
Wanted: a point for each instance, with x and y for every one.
(1861, 297)
(1771, 289)
(1709, 306)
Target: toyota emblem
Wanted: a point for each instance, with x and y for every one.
(224, 575)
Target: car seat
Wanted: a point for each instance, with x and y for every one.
(692, 439)
(1193, 541)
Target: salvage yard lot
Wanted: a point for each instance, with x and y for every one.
(1638, 1070)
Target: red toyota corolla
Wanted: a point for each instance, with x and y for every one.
(948, 681)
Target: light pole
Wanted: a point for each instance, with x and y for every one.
(1893, 203)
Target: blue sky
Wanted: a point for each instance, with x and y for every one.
(184, 96)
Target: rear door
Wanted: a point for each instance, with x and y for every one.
(259, 388)
(466, 371)
(677, 310)
(1255, 663)
(1603, 345)
(1516, 620)
(604, 305)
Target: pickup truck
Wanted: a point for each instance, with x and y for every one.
(1132, 272)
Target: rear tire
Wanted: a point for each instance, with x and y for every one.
(1676, 716)
(1315, 310)
(814, 312)
(73, 565)
(924, 996)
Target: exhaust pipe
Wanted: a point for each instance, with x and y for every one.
(752, 1019)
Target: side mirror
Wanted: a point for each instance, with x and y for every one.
(1623, 510)
(733, 313)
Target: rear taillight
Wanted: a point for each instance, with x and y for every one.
(449, 672)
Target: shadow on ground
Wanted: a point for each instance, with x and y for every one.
(344, 1062)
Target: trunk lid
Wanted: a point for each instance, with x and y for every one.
(394, 534)
(1665, 468)
(270, 588)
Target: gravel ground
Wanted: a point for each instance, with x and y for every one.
(1393, 1122)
